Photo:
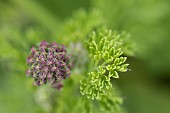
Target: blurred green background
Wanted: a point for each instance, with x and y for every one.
(145, 89)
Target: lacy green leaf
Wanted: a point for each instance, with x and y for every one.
(106, 51)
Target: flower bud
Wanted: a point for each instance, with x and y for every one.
(49, 63)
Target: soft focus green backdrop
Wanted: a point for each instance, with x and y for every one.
(23, 23)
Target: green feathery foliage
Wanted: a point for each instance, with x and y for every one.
(111, 103)
(76, 28)
(105, 52)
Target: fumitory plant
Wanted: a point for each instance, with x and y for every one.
(78, 67)
(104, 51)
(61, 56)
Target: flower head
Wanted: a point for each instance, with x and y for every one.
(49, 63)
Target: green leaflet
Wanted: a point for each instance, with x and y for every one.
(105, 50)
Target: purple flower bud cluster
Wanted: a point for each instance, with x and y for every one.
(49, 63)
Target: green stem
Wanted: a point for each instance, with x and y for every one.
(52, 96)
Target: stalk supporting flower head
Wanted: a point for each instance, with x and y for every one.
(49, 63)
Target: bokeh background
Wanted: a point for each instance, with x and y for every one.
(24, 23)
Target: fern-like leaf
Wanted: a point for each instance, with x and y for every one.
(105, 50)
